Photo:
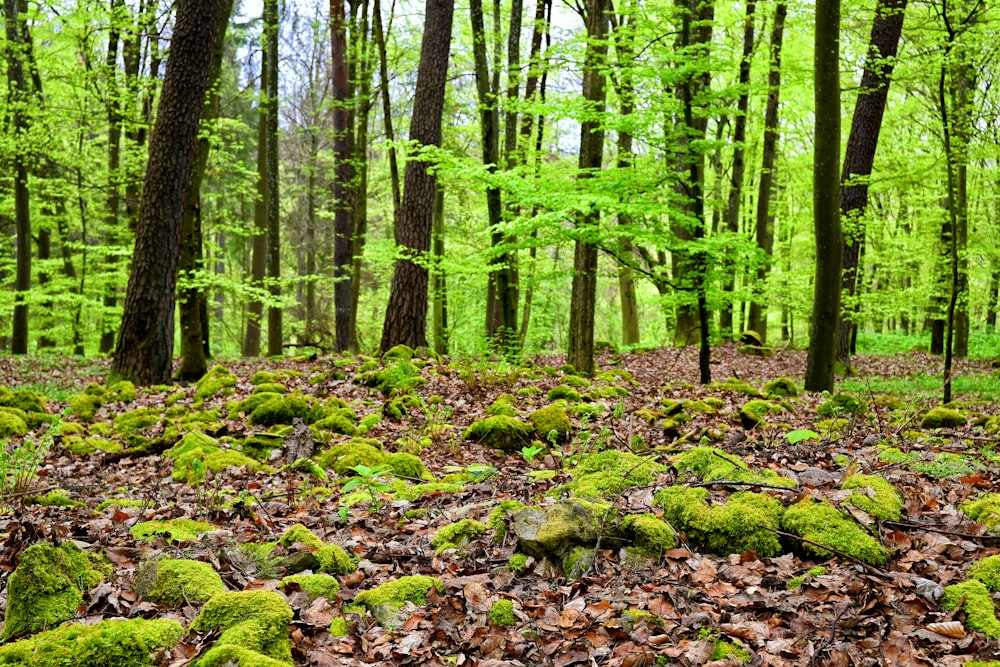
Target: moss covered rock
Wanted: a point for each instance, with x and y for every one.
(556, 532)
(551, 424)
(739, 386)
(172, 530)
(646, 536)
(943, 418)
(985, 510)
(84, 407)
(500, 432)
(48, 585)
(123, 391)
(22, 399)
(457, 535)
(563, 393)
(841, 404)
(173, 581)
(345, 456)
(386, 601)
(407, 466)
(218, 380)
(610, 472)
(503, 405)
(281, 410)
(136, 642)
(342, 421)
(781, 387)
(874, 495)
(711, 464)
(315, 585)
(755, 412)
(332, 559)
(980, 612)
(738, 525)
(822, 523)
(253, 627)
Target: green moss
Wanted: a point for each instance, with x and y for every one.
(518, 562)
(985, 510)
(172, 530)
(341, 421)
(987, 570)
(711, 464)
(270, 388)
(136, 421)
(726, 649)
(173, 581)
(215, 381)
(310, 467)
(497, 521)
(55, 498)
(299, 534)
(316, 585)
(703, 407)
(48, 585)
(398, 378)
(502, 613)
(22, 399)
(281, 410)
(384, 601)
(399, 407)
(822, 523)
(499, 432)
(122, 503)
(874, 495)
(551, 424)
(781, 387)
(264, 377)
(250, 403)
(332, 559)
(980, 613)
(563, 392)
(408, 466)
(943, 418)
(404, 491)
(122, 390)
(755, 412)
(368, 422)
(609, 473)
(503, 405)
(633, 617)
(647, 535)
(737, 526)
(84, 406)
(457, 535)
(529, 391)
(359, 451)
(398, 352)
(253, 626)
(338, 627)
(115, 643)
(188, 470)
(739, 386)
(840, 404)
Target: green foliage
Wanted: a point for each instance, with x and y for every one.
(19, 468)
(371, 480)
(800, 435)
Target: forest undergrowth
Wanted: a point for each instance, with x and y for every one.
(377, 457)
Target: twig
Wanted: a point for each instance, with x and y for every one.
(843, 607)
(733, 482)
(871, 568)
(941, 531)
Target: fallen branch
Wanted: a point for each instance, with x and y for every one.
(871, 568)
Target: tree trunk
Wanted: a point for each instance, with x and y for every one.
(274, 332)
(362, 108)
(764, 227)
(146, 336)
(343, 183)
(826, 191)
(439, 285)
(17, 91)
(193, 300)
(859, 159)
(406, 313)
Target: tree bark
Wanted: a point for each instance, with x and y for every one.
(145, 343)
(826, 191)
(439, 283)
(274, 318)
(584, 293)
(859, 159)
(406, 313)
(343, 183)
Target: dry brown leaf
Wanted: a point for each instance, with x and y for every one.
(953, 629)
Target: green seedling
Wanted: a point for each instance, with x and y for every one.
(529, 452)
(371, 480)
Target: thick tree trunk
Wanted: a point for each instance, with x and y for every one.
(193, 300)
(862, 144)
(826, 191)
(144, 352)
(584, 293)
(406, 313)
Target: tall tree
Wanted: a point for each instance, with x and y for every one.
(18, 94)
(343, 181)
(862, 143)
(584, 294)
(274, 333)
(826, 197)
(193, 307)
(406, 313)
(144, 351)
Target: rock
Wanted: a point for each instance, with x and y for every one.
(555, 533)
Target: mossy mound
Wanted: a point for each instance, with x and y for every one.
(196, 453)
(172, 581)
(457, 535)
(122, 391)
(781, 387)
(840, 404)
(563, 393)
(133, 643)
(250, 403)
(755, 350)
(503, 405)
(264, 377)
(738, 386)
(342, 421)
(499, 432)
(987, 570)
(407, 466)
(384, 602)
(399, 377)
(253, 627)
(609, 473)
(84, 406)
(270, 388)
(551, 424)
(78, 446)
(565, 533)
(48, 585)
(943, 418)
(345, 456)
(502, 613)
(172, 530)
(985, 510)
(980, 612)
(824, 524)
(22, 399)
(315, 585)
(282, 410)
(711, 464)
(874, 495)
(218, 380)
(137, 421)
(400, 406)
(398, 352)
(755, 412)
(737, 526)
(330, 558)
(646, 536)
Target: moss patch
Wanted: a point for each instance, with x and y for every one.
(173, 530)
(315, 585)
(281, 410)
(47, 586)
(609, 473)
(731, 528)
(985, 510)
(84, 406)
(874, 495)
(840, 404)
(980, 613)
(987, 570)
(755, 412)
(502, 613)
(253, 626)
(647, 536)
(217, 380)
(385, 601)
(551, 424)
(500, 432)
(133, 643)
(943, 418)
(173, 581)
(332, 559)
(781, 387)
(457, 535)
(821, 522)
(710, 464)
(563, 392)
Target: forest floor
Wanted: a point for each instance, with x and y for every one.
(848, 614)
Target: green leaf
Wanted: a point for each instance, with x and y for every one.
(800, 435)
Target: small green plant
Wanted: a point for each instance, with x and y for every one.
(19, 468)
(479, 471)
(795, 437)
(371, 480)
(529, 452)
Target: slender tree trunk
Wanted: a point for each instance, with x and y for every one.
(584, 294)
(193, 300)
(826, 191)
(362, 106)
(383, 68)
(343, 183)
(862, 144)
(406, 314)
(439, 286)
(274, 317)
(146, 338)
(993, 295)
